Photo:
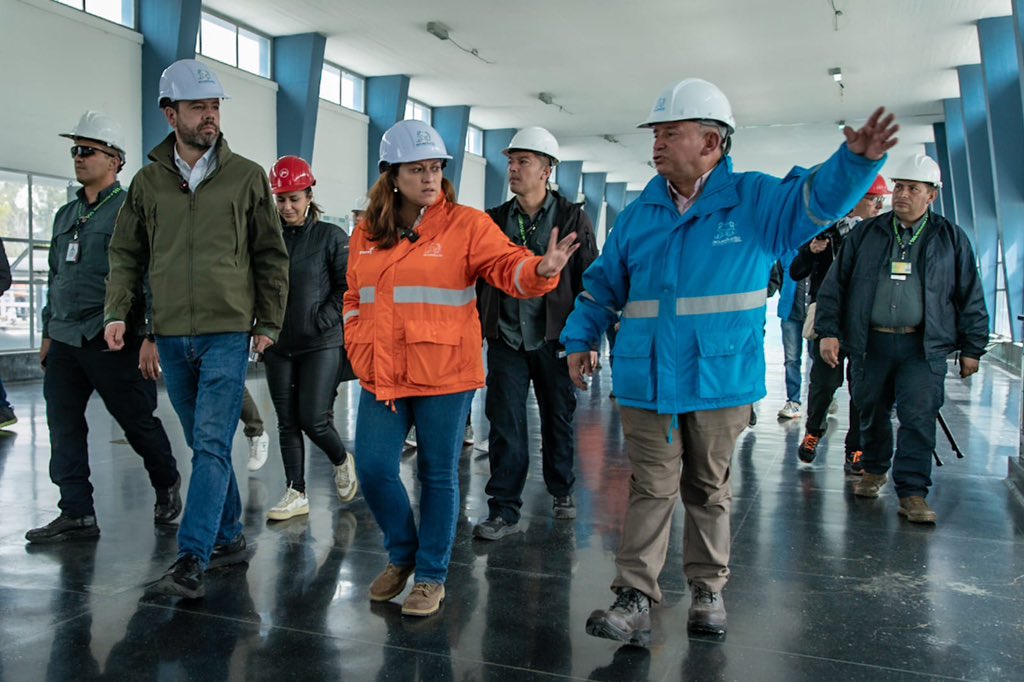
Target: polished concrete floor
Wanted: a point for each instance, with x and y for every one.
(825, 586)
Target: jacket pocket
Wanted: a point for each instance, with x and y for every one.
(359, 340)
(728, 364)
(433, 352)
(633, 373)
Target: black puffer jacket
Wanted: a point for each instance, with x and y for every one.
(955, 317)
(317, 262)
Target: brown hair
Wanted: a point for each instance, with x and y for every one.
(381, 218)
(314, 210)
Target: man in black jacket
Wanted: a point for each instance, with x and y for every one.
(813, 261)
(522, 341)
(903, 294)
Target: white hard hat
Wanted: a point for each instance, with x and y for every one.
(534, 139)
(409, 141)
(362, 203)
(689, 100)
(920, 168)
(95, 125)
(187, 80)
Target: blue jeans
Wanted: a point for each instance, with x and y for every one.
(793, 348)
(205, 377)
(380, 434)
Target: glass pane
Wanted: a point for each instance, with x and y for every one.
(15, 311)
(475, 141)
(352, 88)
(409, 110)
(253, 53)
(48, 195)
(77, 4)
(111, 10)
(330, 84)
(13, 205)
(40, 288)
(218, 39)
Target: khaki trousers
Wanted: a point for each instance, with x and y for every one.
(694, 466)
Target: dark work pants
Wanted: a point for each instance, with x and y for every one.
(509, 373)
(303, 388)
(824, 383)
(894, 369)
(72, 374)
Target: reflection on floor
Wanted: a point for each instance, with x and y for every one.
(824, 587)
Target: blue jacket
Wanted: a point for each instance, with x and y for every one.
(692, 288)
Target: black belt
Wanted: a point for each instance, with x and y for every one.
(895, 330)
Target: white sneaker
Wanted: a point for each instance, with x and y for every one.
(410, 438)
(292, 504)
(790, 410)
(259, 446)
(345, 479)
(467, 437)
(833, 407)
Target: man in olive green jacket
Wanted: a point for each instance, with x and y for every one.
(202, 221)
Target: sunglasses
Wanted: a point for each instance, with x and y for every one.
(879, 202)
(86, 152)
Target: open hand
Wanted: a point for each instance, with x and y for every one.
(557, 255)
(875, 137)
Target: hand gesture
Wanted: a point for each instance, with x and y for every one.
(557, 255)
(114, 335)
(875, 138)
(581, 365)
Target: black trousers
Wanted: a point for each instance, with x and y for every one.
(825, 381)
(303, 388)
(72, 374)
(895, 370)
(509, 373)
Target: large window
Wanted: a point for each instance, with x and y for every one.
(343, 87)
(27, 206)
(227, 42)
(418, 111)
(475, 141)
(119, 11)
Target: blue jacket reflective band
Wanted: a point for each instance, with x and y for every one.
(691, 289)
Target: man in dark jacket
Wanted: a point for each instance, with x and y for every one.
(918, 299)
(7, 416)
(522, 341)
(813, 261)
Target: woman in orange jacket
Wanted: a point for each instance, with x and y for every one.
(413, 338)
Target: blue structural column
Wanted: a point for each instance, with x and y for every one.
(942, 156)
(979, 152)
(453, 123)
(593, 191)
(1002, 74)
(570, 174)
(385, 106)
(615, 195)
(496, 141)
(960, 168)
(298, 65)
(169, 29)
(931, 150)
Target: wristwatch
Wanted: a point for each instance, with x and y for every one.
(151, 337)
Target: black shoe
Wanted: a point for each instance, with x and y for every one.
(7, 417)
(752, 421)
(564, 508)
(226, 555)
(707, 611)
(65, 528)
(495, 529)
(808, 448)
(626, 620)
(168, 503)
(183, 579)
(853, 464)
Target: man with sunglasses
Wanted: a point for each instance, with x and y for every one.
(74, 354)
(813, 261)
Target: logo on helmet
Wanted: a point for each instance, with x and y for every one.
(423, 138)
(204, 76)
(659, 105)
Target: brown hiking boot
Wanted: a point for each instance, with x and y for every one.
(424, 600)
(628, 619)
(916, 510)
(707, 611)
(869, 485)
(390, 583)
(808, 448)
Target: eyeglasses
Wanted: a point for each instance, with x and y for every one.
(86, 152)
(879, 202)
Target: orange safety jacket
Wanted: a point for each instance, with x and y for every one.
(411, 322)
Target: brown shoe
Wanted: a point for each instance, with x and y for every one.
(390, 583)
(424, 600)
(916, 510)
(869, 485)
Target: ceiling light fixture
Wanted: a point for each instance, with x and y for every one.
(548, 98)
(610, 138)
(836, 73)
(442, 31)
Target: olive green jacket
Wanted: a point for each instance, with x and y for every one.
(217, 261)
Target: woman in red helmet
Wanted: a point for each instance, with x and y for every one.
(305, 366)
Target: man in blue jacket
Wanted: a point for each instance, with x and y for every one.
(687, 265)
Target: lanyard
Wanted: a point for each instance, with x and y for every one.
(83, 219)
(523, 231)
(899, 240)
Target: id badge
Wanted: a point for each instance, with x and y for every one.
(74, 250)
(901, 267)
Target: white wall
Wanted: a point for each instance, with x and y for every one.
(339, 158)
(57, 63)
(249, 119)
(471, 187)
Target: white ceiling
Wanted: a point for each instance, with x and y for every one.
(605, 62)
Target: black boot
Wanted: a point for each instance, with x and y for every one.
(168, 503)
(628, 619)
(183, 579)
(65, 528)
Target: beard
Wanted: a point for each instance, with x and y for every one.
(198, 139)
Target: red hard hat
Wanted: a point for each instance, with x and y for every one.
(879, 188)
(290, 174)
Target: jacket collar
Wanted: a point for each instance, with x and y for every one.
(104, 193)
(719, 192)
(163, 153)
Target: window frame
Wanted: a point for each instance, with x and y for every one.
(343, 74)
(238, 27)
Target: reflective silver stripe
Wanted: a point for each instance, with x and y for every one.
(640, 309)
(435, 295)
(724, 303)
(367, 294)
(807, 202)
(349, 315)
(519, 271)
(586, 295)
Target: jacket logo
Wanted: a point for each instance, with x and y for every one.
(423, 138)
(725, 233)
(367, 252)
(434, 251)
